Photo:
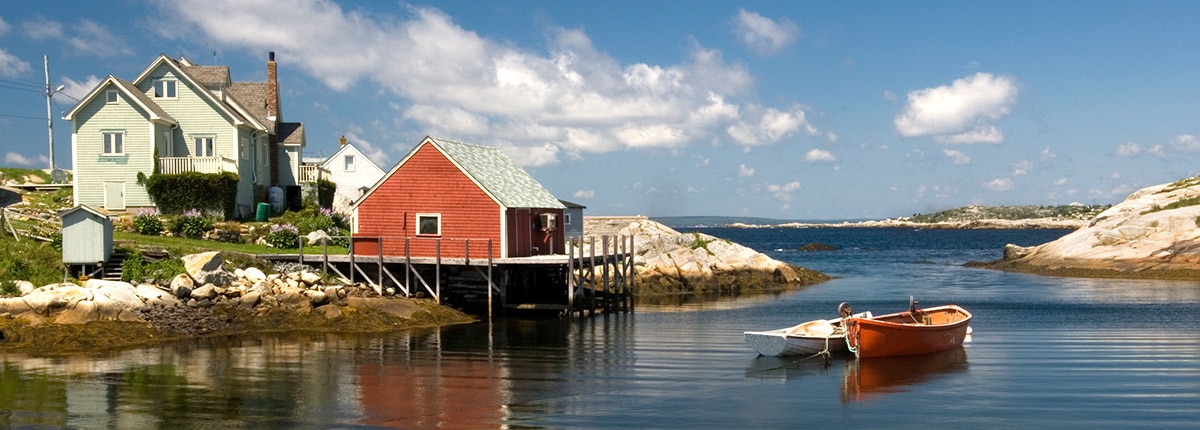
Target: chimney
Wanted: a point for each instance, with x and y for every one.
(343, 140)
(272, 93)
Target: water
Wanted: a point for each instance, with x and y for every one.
(1046, 352)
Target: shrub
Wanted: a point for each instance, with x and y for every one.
(210, 192)
(28, 260)
(283, 236)
(191, 224)
(147, 222)
(8, 288)
(135, 268)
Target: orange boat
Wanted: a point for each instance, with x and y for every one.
(916, 331)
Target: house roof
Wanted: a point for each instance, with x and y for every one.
(154, 112)
(213, 77)
(253, 97)
(497, 174)
(489, 168)
(332, 160)
(571, 205)
(291, 133)
(84, 208)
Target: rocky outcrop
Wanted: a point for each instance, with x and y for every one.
(668, 261)
(1145, 236)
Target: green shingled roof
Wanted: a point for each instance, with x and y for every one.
(498, 174)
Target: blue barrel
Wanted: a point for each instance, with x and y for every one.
(264, 209)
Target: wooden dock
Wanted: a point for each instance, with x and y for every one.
(595, 276)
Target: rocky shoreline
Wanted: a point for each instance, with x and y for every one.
(980, 224)
(101, 314)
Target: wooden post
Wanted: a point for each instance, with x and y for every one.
(407, 267)
(592, 270)
(607, 260)
(352, 265)
(380, 274)
(437, 272)
(571, 279)
(325, 259)
(489, 279)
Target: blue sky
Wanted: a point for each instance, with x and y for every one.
(791, 110)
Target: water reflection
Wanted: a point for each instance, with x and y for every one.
(865, 379)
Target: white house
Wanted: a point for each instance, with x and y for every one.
(353, 172)
(177, 116)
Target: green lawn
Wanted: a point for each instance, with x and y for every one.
(182, 245)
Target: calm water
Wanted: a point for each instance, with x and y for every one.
(1076, 353)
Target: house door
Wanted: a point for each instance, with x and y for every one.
(114, 196)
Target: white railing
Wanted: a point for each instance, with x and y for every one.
(176, 165)
(312, 173)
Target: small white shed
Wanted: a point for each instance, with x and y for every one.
(87, 236)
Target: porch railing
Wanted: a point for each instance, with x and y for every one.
(176, 165)
(312, 173)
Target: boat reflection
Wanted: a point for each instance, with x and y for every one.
(867, 378)
(785, 368)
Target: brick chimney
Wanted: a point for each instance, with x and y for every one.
(343, 141)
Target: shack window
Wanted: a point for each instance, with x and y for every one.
(429, 224)
(164, 89)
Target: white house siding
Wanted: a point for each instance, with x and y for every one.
(365, 174)
(93, 169)
(289, 165)
(248, 177)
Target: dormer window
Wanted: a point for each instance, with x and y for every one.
(110, 97)
(164, 89)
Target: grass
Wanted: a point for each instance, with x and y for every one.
(183, 245)
(1181, 203)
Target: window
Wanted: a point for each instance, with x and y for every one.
(567, 219)
(349, 163)
(114, 143)
(204, 146)
(110, 97)
(429, 224)
(164, 89)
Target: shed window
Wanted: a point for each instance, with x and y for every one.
(164, 89)
(429, 224)
(349, 160)
(114, 143)
(110, 97)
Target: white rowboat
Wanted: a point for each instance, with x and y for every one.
(803, 339)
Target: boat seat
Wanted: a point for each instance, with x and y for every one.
(815, 328)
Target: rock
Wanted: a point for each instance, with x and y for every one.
(310, 278)
(254, 274)
(149, 293)
(205, 268)
(181, 286)
(80, 313)
(317, 298)
(14, 306)
(43, 302)
(318, 237)
(395, 307)
(25, 287)
(206, 292)
(249, 300)
(123, 293)
(329, 311)
(334, 293)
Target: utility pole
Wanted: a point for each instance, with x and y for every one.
(49, 118)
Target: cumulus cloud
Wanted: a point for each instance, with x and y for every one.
(375, 153)
(783, 192)
(4, 27)
(957, 157)
(961, 112)
(1133, 149)
(77, 90)
(763, 35)
(21, 160)
(584, 194)
(745, 171)
(42, 29)
(1022, 167)
(999, 184)
(11, 66)
(456, 82)
(1185, 143)
(819, 156)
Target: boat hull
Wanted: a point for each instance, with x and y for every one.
(908, 333)
(777, 343)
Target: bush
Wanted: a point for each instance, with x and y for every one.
(147, 222)
(209, 192)
(191, 224)
(283, 236)
(8, 288)
(29, 260)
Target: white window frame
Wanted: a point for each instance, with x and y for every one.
(566, 219)
(114, 143)
(204, 146)
(348, 162)
(437, 217)
(111, 97)
(166, 89)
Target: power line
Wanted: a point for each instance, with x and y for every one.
(39, 91)
(39, 87)
(22, 117)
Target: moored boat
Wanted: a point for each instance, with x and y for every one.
(916, 331)
(807, 338)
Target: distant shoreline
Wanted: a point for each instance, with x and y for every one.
(984, 224)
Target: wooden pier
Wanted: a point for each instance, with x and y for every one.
(594, 276)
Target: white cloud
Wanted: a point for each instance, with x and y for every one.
(957, 157)
(1047, 155)
(11, 66)
(77, 90)
(961, 112)
(457, 82)
(1133, 149)
(745, 171)
(819, 156)
(763, 35)
(1061, 181)
(21, 160)
(889, 96)
(4, 27)
(42, 29)
(1185, 143)
(999, 184)
(376, 154)
(1022, 167)
(783, 192)
(584, 194)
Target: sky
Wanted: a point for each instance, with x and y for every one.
(780, 109)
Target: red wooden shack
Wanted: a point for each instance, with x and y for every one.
(448, 198)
